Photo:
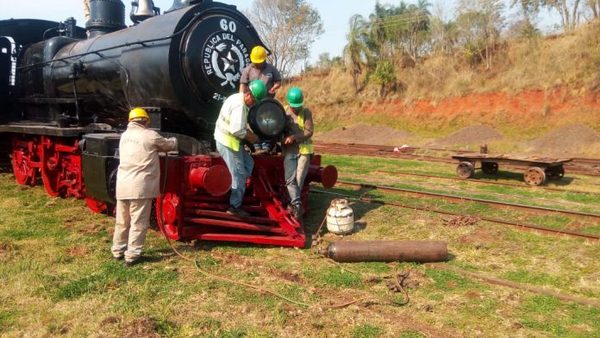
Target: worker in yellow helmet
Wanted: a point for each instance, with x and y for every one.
(138, 180)
(260, 69)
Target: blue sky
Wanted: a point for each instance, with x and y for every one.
(335, 15)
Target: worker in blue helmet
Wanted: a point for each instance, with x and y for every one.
(297, 148)
(231, 129)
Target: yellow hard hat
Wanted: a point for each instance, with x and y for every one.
(258, 54)
(138, 113)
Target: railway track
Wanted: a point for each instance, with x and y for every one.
(471, 199)
(520, 225)
(579, 165)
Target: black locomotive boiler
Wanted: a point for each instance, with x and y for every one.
(65, 93)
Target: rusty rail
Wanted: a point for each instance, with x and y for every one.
(577, 166)
(521, 225)
(471, 199)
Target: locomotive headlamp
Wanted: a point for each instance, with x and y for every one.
(267, 119)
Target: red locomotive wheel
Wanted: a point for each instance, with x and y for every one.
(168, 209)
(51, 173)
(24, 170)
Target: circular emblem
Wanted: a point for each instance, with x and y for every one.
(223, 58)
(213, 55)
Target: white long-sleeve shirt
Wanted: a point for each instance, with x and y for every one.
(233, 118)
(138, 176)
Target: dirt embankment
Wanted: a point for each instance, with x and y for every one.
(475, 134)
(540, 107)
(553, 123)
(570, 140)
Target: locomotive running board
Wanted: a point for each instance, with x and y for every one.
(200, 216)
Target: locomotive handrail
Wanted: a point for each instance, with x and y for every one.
(127, 44)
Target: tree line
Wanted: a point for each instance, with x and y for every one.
(405, 34)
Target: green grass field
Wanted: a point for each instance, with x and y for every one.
(58, 277)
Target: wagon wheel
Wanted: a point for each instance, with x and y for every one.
(489, 167)
(465, 169)
(25, 173)
(555, 173)
(50, 167)
(534, 176)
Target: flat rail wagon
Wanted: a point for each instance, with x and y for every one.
(536, 169)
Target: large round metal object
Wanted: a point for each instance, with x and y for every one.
(489, 167)
(465, 169)
(267, 119)
(534, 176)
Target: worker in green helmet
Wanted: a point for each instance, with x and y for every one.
(231, 129)
(297, 148)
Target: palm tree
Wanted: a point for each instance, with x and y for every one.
(356, 49)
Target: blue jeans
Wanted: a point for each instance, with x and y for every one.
(240, 165)
(295, 168)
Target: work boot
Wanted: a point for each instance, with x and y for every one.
(297, 211)
(237, 212)
(132, 262)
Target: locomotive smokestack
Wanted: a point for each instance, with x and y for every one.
(105, 16)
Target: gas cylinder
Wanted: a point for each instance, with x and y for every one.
(340, 217)
(388, 251)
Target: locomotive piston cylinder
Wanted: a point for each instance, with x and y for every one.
(327, 176)
(388, 251)
(216, 180)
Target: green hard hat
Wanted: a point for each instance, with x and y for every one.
(295, 97)
(258, 89)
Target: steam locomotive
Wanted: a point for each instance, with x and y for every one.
(65, 92)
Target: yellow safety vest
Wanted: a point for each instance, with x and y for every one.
(306, 147)
(223, 136)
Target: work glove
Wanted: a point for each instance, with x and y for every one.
(175, 144)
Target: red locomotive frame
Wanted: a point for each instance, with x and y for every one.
(194, 192)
